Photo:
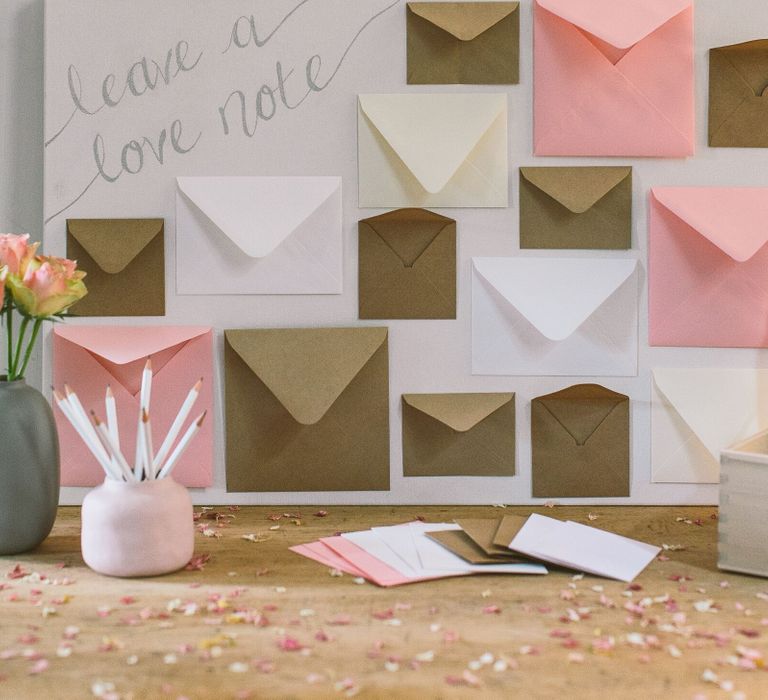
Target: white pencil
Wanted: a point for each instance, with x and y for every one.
(149, 458)
(111, 447)
(82, 417)
(112, 427)
(177, 425)
(144, 400)
(182, 446)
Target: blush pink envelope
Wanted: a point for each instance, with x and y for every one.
(708, 258)
(323, 554)
(613, 78)
(88, 358)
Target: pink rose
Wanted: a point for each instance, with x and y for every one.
(16, 252)
(48, 286)
(3, 275)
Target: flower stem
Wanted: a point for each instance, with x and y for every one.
(30, 347)
(19, 344)
(9, 332)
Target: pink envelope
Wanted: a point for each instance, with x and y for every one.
(708, 258)
(323, 554)
(88, 358)
(613, 78)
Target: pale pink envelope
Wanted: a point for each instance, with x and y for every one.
(88, 358)
(708, 285)
(323, 554)
(613, 78)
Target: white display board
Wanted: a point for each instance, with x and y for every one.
(114, 146)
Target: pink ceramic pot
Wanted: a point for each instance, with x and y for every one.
(137, 528)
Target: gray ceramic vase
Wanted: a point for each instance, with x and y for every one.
(29, 467)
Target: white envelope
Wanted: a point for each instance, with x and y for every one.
(554, 316)
(432, 150)
(259, 235)
(696, 413)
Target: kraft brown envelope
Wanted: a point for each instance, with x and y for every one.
(482, 531)
(508, 527)
(125, 262)
(580, 443)
(738, 95)
(463, 546)
(307, 409)
(458, 434)
(471, 43)
(576, 207)
(407, 265)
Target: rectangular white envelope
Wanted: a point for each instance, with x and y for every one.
(432, 150)
(583, 548)
(259, 235)
(696, 413)
(554, 316)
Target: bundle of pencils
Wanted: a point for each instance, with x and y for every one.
(103, 438)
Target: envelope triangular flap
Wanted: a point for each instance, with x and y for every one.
(433, 134)
(258, 213)
(716, 404)
(621, 23)
(578, 189)
(408, 232)
(306, 369)
(732, 218)
(464, 20)
(582, 408)
(461, 412)
(114, 243)
(750, 60)
(121, 345)
(556, 295)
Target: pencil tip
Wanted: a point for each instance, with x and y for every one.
(144, 415)
(201, 419)
(109, 390)
(149, 363)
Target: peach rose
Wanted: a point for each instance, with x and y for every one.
(48, 286)
(16, 252)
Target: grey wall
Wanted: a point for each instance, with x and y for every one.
(21, 120)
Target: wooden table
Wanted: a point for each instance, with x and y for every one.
(261, 622)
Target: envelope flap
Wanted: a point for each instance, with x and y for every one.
(581, 409)
(121, 345)
(258, 213)
(408, 232)
(464, 20)
(621, 23)
(306, 369)
(556, 295)
(750, 60)
(732, 218)
(114, 243)
(576, 188)
(433, 134)
(461, 412)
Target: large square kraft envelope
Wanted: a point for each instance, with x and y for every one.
(707, 267)
(119, 255)
(307, 409)
(459, 434)
(696, 413)
(90, 358)
(613, 78)
(259, 235)
(432, 150)
(554, 316)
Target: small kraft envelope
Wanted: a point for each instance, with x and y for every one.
(458, 434)
(576, 207)
(259, 235)
(554, 316)
(90, 358)
(473, 43)
(432, 150)
(707, 267)
(738, 95)
(119, 255)
(407, 265)
(613, 78)
(697, 413)
(307, 409)
(580, 443)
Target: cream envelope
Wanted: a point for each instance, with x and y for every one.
(554, 316)
(432, 150)
(613, 78)
(696, 413)
(259, 235)
(707, 267)
(90, 358)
